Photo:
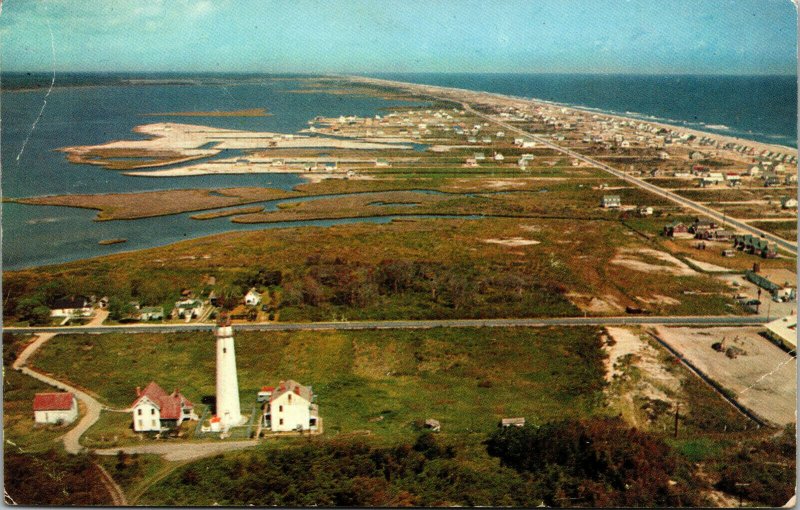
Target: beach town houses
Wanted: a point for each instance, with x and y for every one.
(755, 245)
(676, 227)
(54, 408)
(155, 410)
(290, 408)
(76, 306)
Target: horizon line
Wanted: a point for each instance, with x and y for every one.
(367, 73)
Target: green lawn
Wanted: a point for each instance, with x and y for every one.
(380, 381)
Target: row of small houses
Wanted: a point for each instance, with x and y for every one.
(709, 231)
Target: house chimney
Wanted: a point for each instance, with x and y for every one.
(138, 391)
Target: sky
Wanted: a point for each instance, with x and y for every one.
(364, 36)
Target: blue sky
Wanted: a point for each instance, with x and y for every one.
(362, 36)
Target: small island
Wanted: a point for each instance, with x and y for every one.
(107, 242)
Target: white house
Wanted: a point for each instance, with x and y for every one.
(55, 408)
(154, 409)
(611, 201)
(499, 157)
(789, 203)
(71, 307)
(151, 313)
(188, 309)
(663, 155)
(252, 298)
(290, 408)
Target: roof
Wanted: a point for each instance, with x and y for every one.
(52, 401)
(294, 387)
(169, 404)
(785, 328)
(513, 421)
(71, 302)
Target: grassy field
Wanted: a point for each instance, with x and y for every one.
(467, 268)
(378, 381)
(126, 206)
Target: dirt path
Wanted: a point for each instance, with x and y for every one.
(93, 407)
(181, 451)
(117, 496)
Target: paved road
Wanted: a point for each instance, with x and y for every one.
(700, 320)
(789, 246)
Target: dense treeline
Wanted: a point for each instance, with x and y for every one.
(764, 472)
(599, 462)
(315, 288)
(53, 479)
(351, 473)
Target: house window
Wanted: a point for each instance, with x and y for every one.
(290, 398)
(224, 350)
(280, 409)
(280, 422)
(139, 411)
(140, 424)
(152, 411)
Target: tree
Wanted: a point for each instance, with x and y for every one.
(599, 462)
(33, 310)
(119, 308)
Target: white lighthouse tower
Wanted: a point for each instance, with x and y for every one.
(228, 409)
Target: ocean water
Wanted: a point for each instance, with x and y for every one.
(98, 109)
(92, 109)
(761, 108)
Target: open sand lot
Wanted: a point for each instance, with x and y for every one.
(649, 260)
(764, 379)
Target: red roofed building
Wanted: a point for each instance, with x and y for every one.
(57, 408)
(154, 409)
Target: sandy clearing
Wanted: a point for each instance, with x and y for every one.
(588, 303)
(763, 380)
(658, 299)
(628, 258)
(512, 241)
(708, 267)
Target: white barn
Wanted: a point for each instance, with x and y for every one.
(55, 408)
(290, 408)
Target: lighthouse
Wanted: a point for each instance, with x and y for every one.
(228, 409)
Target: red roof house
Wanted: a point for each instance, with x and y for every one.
(55, 408)
(53, 401)
(153, 405)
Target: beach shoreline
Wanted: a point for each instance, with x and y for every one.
(428, 89)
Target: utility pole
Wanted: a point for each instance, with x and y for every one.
(677, 414)
(739, 484)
